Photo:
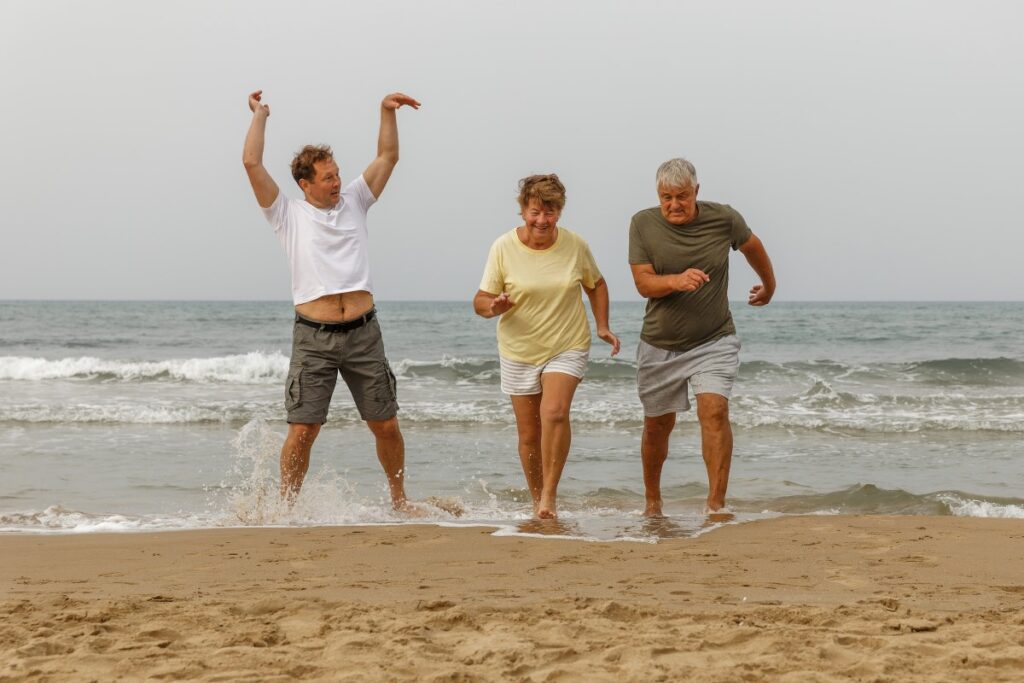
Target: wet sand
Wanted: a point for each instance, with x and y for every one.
(791, 599)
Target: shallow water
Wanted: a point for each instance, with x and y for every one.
(169, 415)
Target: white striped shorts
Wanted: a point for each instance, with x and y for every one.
(523, 379)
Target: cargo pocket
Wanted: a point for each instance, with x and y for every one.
(387, 390)
(381, 393)
(293, 388)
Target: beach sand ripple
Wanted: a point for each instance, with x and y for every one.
(791, 599)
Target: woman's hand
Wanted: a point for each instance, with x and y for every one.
(607, 336)
(488, 305)
(501, 303)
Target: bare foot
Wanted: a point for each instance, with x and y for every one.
(546, 508)
(449, 505)
(653, 509)
(719, 515)
(547, 527)
(407, 508)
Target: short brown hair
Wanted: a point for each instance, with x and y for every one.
(547, 189)
(306, 158)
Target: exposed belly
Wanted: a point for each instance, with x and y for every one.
(335, 308)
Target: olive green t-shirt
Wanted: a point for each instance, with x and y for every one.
(684, 320)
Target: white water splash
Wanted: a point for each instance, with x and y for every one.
(328, 498)
(961, 507)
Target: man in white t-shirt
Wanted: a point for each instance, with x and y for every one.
(336, 330)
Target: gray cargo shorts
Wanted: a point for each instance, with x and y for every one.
(662, 377)
(318, 355)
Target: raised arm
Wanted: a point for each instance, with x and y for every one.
(753, 250)
(654, 286)
(252, 154)
(379, 171)
(599, 305)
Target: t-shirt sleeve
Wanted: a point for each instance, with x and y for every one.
(740, 232)
(362, 194)
(493, 281)
(589, 272)
(277, 212)
(637, 250)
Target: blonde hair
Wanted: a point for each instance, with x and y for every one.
(546, 189)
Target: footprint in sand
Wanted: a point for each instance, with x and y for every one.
(44, 648)
(159, 633)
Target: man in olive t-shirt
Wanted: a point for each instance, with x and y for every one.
(679, 255)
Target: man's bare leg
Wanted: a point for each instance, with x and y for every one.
(527, 412)
(391, 453)
(555, 434)
(716, 445)
(653, 453)
(295, 458)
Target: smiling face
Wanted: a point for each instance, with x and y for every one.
(540, 220)
(678, 204)
(324, 190)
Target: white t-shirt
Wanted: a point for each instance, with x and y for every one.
(328, 250)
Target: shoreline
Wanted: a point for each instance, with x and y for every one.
(657, 530)
(800, 598)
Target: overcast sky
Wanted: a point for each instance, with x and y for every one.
(875, 147)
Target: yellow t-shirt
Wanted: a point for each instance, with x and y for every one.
(548, 317)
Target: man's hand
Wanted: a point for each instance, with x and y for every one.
(690, 280)
(753, 250)
(759, 295)
(396, 100)
(501, 304)
(255, 103)
(606, 335)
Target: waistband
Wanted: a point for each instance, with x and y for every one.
(346, 326)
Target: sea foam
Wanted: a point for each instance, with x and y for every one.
(970, 507)
(881, 415)
(247, 368)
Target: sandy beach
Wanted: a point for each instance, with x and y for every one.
(791, 599)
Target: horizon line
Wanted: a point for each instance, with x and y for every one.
(469, 301)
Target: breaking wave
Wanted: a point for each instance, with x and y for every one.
(817, 412)
(247, 368)
(868, 499)
(257, 367)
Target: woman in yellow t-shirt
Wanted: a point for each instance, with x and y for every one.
(532, 280)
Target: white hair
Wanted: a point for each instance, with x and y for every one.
(677, 173)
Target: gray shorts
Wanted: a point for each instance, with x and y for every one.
(318, 356)
(662, 376)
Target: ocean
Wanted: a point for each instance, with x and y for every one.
(126, 416)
